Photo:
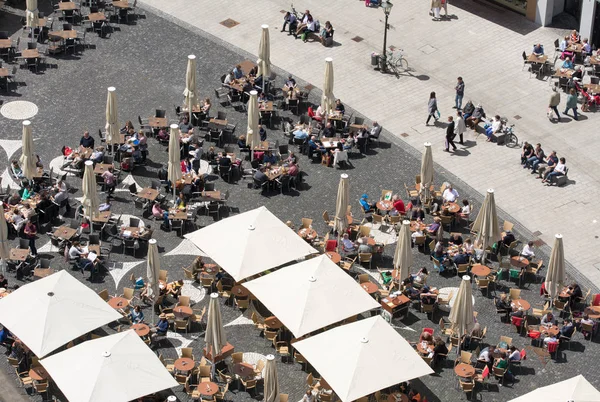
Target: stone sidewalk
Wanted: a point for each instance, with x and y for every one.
(482, 43)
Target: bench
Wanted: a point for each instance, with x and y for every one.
(560, 180)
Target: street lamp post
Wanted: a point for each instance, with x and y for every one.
(387, 7)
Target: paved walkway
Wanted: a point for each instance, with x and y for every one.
(482, 43)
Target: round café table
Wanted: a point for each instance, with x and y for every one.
(184, 364)
(141, 329)
(593, 312)
(207, 388)
(211, 269)
(522, 303)
(38, 373)
(369, 287)
(414, 225)
(118, 303)
(307, 233)
(397, 397)
(423, 350)
(552, 331)
(240, 291)
(334, 257)
(385, 205)
(273, 322)
(519, 262)
(464, 370)
(480, 270)
(452, 207)
(182, 311)
(243, 370)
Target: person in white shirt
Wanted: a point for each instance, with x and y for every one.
(460, 128)
(450, 194)
(229, 78)
(527, 251)
(515, 354)
(61, 186)
(375, 131)
(465, 211)
(348, 245)
(308, 397)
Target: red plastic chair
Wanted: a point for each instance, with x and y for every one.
(331, 245)
(517, 322)
(596, 301)
(430, 330)
(552, 347)
(523, 354)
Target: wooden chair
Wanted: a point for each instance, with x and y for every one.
(506, 339)
(462, 269)
(411, 192)
(365, 257)
(328, 222)
(427, 308)
(481, 377)
(515, 294)
(443, 329)
(377, 219)
(184, 301)
(168, 363)
(362, 278)
(479, 339)
(347, 263)
(242, 304)
(237, 357)
(444, 301)
(257, 324)
(384, 194)
(483, 284)
(589, 329)
(198, 317)
(259, 368)
(163, 274)
(220, 395)
(249, 384)
(24, 379)
(465, 357)
(506, 226)
(189, 275)
(187, 352)
(271, 335)
(128, 294)
(206, 281)
(283, 397)
(499, 374)
(467, 387)
(306, 223)
(300, 359)
(104, 294)
(364, 231)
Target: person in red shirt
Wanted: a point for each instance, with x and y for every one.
(398, 204)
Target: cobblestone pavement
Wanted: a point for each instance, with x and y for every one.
(146, 62)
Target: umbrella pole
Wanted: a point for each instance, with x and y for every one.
(3, 266)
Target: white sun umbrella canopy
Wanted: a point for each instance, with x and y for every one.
(363, 357)
(319, 286)
(486, 224)
(271, 384)
(4, 244)
(555, 277)
(191, 97)
(341, 205)
(576, 389)
(174, 165)
(116, 368)
(252, 133)
(264, 56)
(426, 170)
(32, 15)
(215, 337)
(403, 258)
(58, 308)
(90, 195)
(247, 244)
(28, 158)
(112, 118)
(153, 269)
(461, 314)
(328, 99)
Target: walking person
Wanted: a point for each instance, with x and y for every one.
(553, 104)
(461, 127)
(572, 103)
(460, 91)
(445, 7)
(432, 108)
(31, 232)
(450, 135)
(435, 7)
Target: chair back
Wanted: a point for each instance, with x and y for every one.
(187, 352)
(486, 372)
(467, 386)
(103, 294)
(184, 301)
(428, 330)
(506, 339)
(364, 257)
(465, 357)
(364, 231)
(221, 115)
(204, 371)
(362, 278)
(515, 294)
(162, 275)
(552, 347)
(331, 245)
(326, 217)
(306, 222)
(283, 397)
(506, 226)
(128, 293)
(377, 218)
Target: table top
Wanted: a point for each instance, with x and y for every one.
(273, 322)
(563, 73)
(247, 65)
(67, 5)
(329, 143)
(240, 291)
(243, 369)
(574, 47)
(148, 193)
(385, 205)
(30, 53)
(65, 232)
(395, 301)
(265, 106)
(414, 225)
(397, 397)
(183, 311)
(307, 233)
(42, 272)
(452, 207)
(464, 370)
(213, 195)
(480, 270)
(135, 231)
(208, 388)
(141, 329)
(19, 254)
(593, 88)
(118, 302)
(424, 350)
(93, 248)
(333, 256)
(38, 373)
(120, 4)
(156, 122)
(4, 72)
(524, 304)
(218, 122)
(178, 215)
(593, 312)
(519, 261)
(69, 34)
(5, 43)
(552, 331)
(102, 217)
(93, 17)
(211, 269)
(369, 287)
(102, 167)
(184, 364)
(532, 58)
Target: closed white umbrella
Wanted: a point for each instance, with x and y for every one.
(112, 119)
(328, 100)
(31, 15)
(461, 314)
(555, 277)
(116, 368)
(253, 136)
(90, 195)
(28, 158)
(576, 389)
(426, 171)
(4, 245)
(486, 224)
(215, 337)
(341, 205)
(153, 269)
(264, 56)
(271, 388)
(403, 258)
(174, 165)
(191, 97)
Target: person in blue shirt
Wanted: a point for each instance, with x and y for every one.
(365, 204)
(538, 50)
(237, 72)
(567, 64)
(161, 327)
(269, 158)
(136, 316)
(263, 133)
(312, 144)
(300, 134)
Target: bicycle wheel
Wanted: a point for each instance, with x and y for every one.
(511, 140)
(401, 64)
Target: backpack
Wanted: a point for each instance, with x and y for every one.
(317, 26)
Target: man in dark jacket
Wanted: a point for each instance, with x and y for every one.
(450, 134)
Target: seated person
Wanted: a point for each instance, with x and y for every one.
(157, 211)
(427, 296)
(515, 354)
(538, 50)
(365, 204)
(503, 304)
(242, 142)
(3, 282)
(161, 327)
(290, 19)
(415, 234)
(433, 228)
(475, 118)
(450, 194)
(439, 351)
(468, 247)
(527, 251)
(350, 141)
(87, 141)
(174, 288)
(339, 107)
(574, 38)
(568, 64)
(426, 337)
(16, 170)
(301, 133)
(587, 48)
(313, 146)
(398, 204)
(375, 131)
(503, 363)
(77, 254)
(260, 176)
(456, 239)
(461, 257)
(559, 170)
(420, 277)
(237, 72)
(329, 130)
(319, 114)
(128, 126)
(417, 214)
(348, 246)
(548, 320)
(268, 157)
(363, 245)
(326, 32)
(411, 292)
(468, 110)
(263, 133)
(146, 232)
(465, 210)
(494, 129)
(224, 160)
(487, 355)
(229, 78)
(97, 155)
(136, 315)
(292, 169)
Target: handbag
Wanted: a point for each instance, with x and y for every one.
(437, 113)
